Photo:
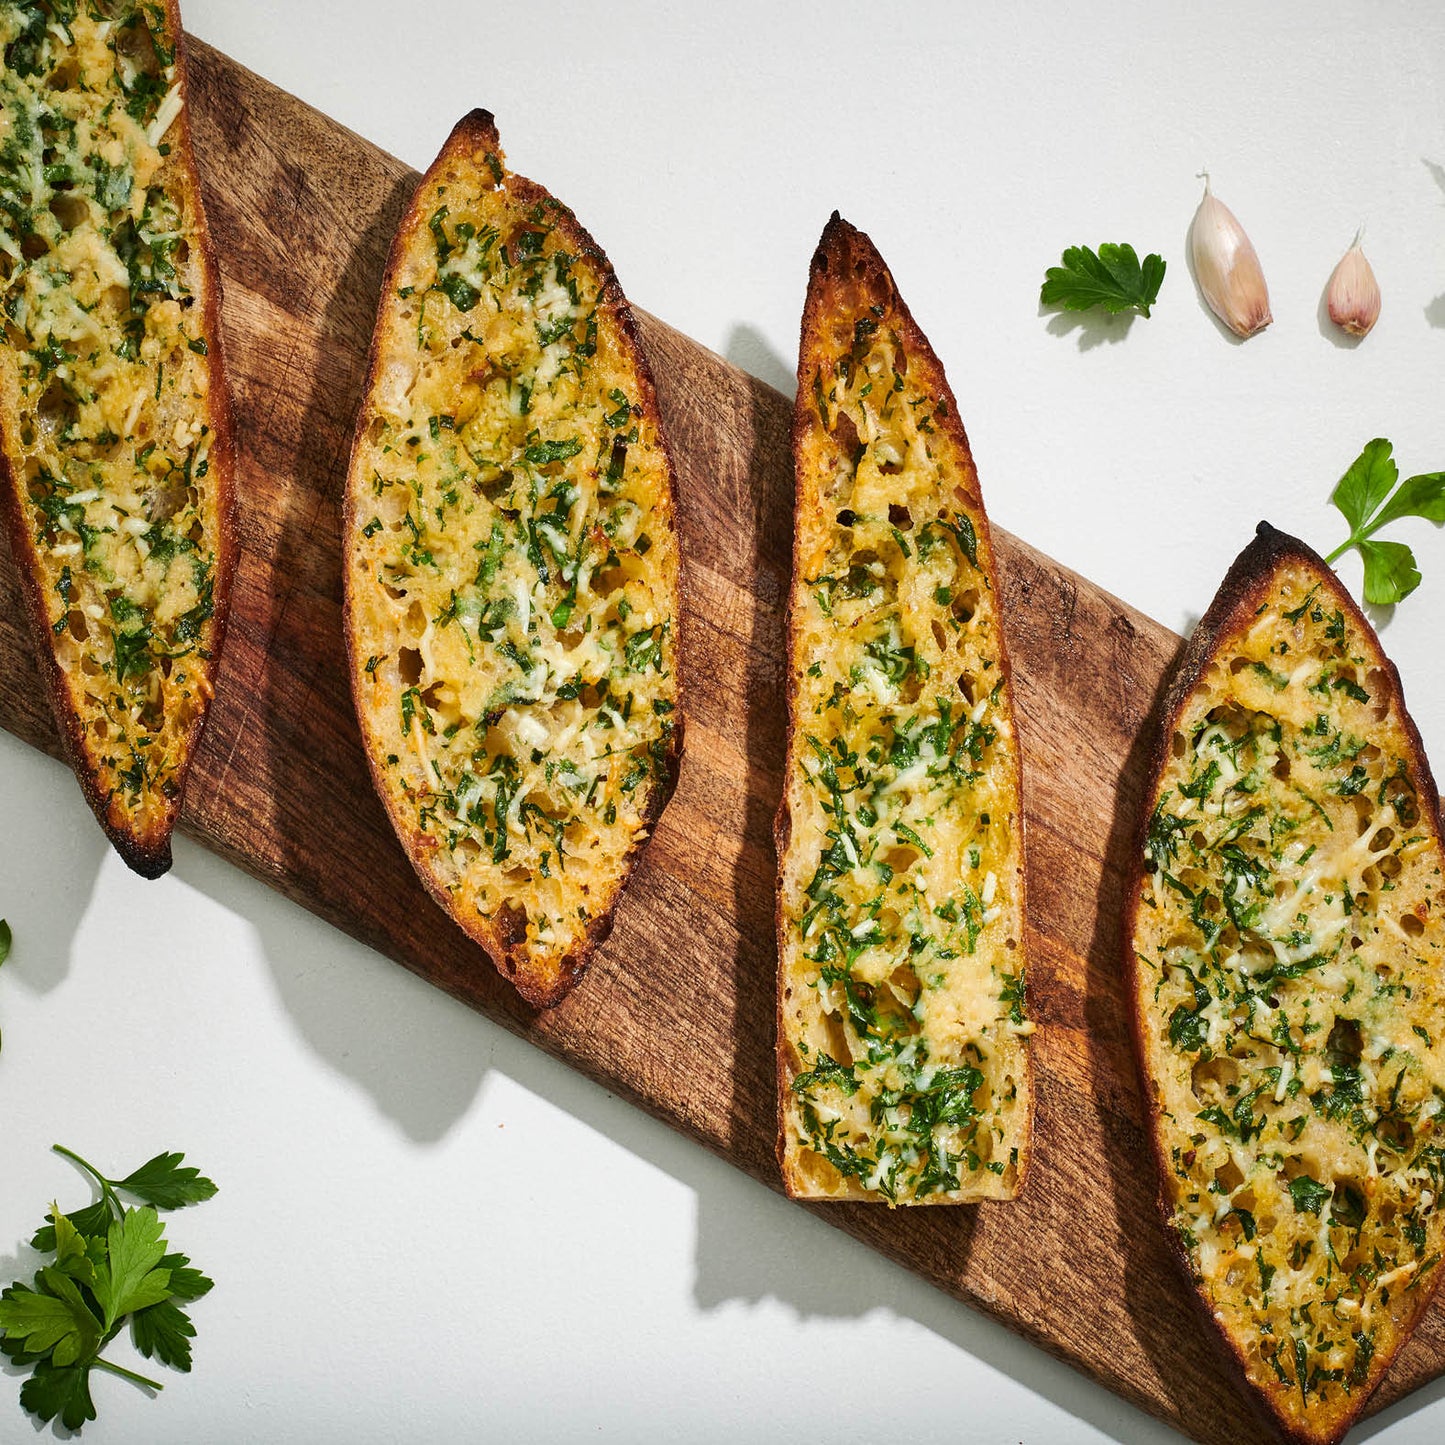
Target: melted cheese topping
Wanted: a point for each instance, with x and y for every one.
(105, 382)
(902, 964)
(1293, 1001)
(513, 571)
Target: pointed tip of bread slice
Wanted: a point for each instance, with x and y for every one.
(477, 131)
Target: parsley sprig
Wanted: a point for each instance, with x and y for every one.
(1111, 277)
(1368, 497)
(111, 1266)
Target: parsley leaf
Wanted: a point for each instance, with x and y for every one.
(70, 1248)
(962, 529)
(1370, 479)
(94, 1219)
(113, 186)
(164, 1332)
(163, 1184)
(541, 454)
(1308, 1195)
(129, 1279)
(1422, 496)
(52, 1320)
(1369, 499)
(827, 1071)
(459, 291)
(1112, 278)
(64, 1391)
(1390, 572)
(187, 1282)
(948, 1099)
(1188, 1028)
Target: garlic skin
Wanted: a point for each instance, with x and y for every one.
(1354, 294)
(1227, 267)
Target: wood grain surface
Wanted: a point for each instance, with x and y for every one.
(677, 1012)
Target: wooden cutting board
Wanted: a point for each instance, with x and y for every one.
(677, 1013)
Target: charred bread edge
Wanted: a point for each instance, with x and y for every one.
(149, 856)
(476, 132)
(1244, 587)
(841, 243)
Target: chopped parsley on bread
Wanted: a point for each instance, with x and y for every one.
(1285, 948)
(511, 568)
(902, 1057)
(116, 452)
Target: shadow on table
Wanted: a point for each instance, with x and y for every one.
(1400, 1411)
(419, 1055)
(1094, 328)
(52, 856)
(1435, 311)
(423, 1058)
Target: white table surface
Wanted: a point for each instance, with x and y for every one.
(427, 1230)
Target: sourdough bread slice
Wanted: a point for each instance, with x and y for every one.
(511, 568)
(1285, 944)
(116, 450)
(902, 1060)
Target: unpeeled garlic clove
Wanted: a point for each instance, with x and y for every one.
(1227, 267)
(1354, 294)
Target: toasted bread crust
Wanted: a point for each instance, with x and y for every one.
(145, 848)
(543, 981)
(849, 285)
(1247, 589)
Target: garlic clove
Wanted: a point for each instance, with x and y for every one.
(1354, 294)
(1227, 267)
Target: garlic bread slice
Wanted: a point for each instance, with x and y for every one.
(511, 568)
(903, 1071)
(116, 451)
(1285, 948)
